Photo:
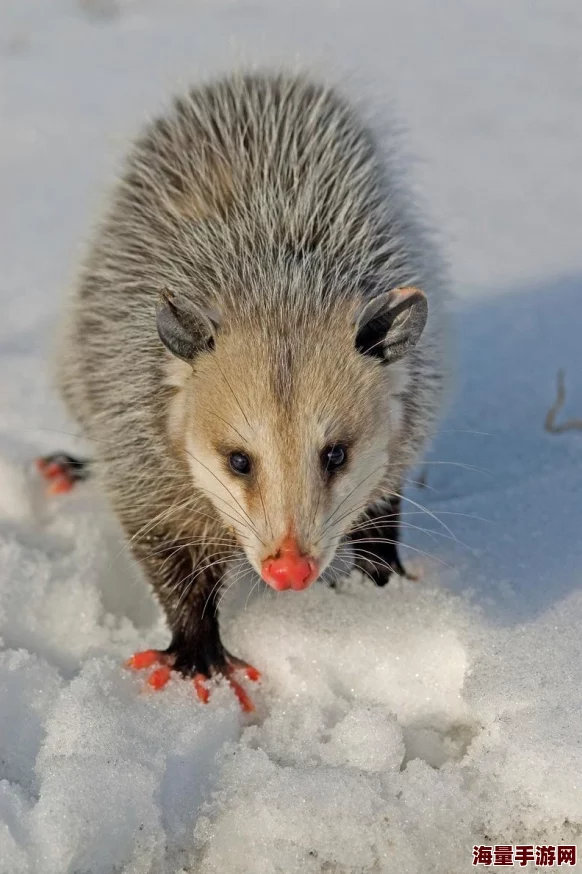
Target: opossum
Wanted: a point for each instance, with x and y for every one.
(255, 348)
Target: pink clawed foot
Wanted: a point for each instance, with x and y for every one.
(158, 678)
(61, 472)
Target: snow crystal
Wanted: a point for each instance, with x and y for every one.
(29, 688)
(14, 809)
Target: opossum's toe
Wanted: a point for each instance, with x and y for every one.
(47, 468)
(60, 485)
(201, 687)
(237, 664)
(244, 700)
(145, 659)
(227, 672)
(158, 678)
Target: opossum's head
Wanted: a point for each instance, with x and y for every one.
(289, 424)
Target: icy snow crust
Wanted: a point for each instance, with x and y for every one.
(396, 728)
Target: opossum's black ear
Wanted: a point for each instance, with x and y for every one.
(391, 324)
(183, 328)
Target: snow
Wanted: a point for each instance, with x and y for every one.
(394, 728)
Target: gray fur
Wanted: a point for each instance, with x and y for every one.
(262, 197)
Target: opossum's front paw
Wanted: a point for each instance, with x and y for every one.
(167, 661)
(380, 571)
(61, 472)
(379, 575)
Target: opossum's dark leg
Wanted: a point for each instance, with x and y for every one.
(376, 543)
(187, 588)
(62, 471)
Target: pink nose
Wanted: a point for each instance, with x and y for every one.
(289, 569)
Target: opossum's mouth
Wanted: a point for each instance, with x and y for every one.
(290, 570)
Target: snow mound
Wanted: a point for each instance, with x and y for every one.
(394, 728)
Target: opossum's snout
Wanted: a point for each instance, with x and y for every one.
(289, 568)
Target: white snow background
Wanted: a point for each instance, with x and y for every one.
(394, 728)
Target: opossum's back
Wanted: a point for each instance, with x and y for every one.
(253, 160)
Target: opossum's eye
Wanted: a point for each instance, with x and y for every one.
(239, 463)
(333, 457)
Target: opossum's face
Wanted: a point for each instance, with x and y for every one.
(290, 432)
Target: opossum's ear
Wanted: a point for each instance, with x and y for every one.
(183, 328)
(391, 324)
